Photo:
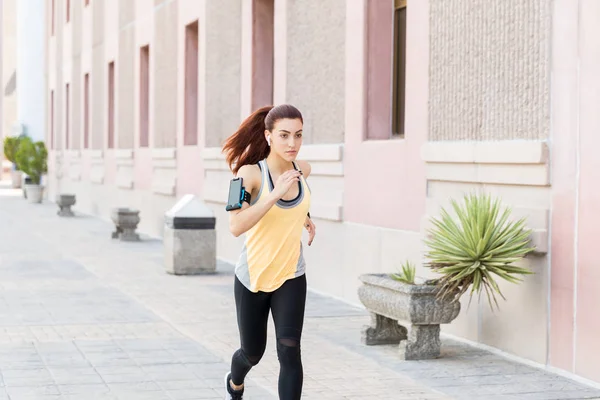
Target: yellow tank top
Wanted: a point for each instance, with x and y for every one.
(272, 251)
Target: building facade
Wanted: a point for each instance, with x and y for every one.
(406, 104)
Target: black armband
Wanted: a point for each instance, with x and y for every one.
(246, 197)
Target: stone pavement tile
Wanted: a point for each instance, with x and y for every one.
(17, 392)
(27, 377)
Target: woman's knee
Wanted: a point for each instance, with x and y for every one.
(288, 352)
(249, 359)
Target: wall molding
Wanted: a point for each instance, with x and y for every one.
(518, 168)
(164, 165)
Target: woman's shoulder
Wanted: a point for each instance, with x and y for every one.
(251, 174)
(304, 166)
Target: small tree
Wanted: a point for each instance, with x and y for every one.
(32, 158)
(11, 145)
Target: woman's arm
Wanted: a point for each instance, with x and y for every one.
(240, 221)
(308, 223)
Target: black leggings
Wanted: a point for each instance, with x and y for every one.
(287, 306)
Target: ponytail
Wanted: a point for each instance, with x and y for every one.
(248, 145)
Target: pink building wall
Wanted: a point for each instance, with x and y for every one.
(385, 177)
(575, 326)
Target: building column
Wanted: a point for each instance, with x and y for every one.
(31, 28)
(1, 95)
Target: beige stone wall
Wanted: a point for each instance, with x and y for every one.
(489, 69)
(223, 61)
(126, 13)
(165, 75)
(316, 66)
(126, 87)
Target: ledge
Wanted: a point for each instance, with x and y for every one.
(95, 153)
(167, 153)
(122, 154)
(500, 152)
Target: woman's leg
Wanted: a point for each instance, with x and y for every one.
(287, 305)
(252, 316)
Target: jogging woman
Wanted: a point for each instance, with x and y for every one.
(269, 275)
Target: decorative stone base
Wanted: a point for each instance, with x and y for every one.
(126, 221)
(190, 251)
(64, 202)
(423, 343)
(383, 331)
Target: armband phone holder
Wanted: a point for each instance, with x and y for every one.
(237, 194)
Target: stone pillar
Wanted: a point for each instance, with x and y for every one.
(2, 95)
(31, 24)
(190, 238)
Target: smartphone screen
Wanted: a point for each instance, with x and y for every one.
(235, 188)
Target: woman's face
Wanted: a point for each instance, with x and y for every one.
(286, 138)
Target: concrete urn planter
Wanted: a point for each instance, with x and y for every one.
(64, 203)
(16, 178)
(408, 315)
(126, 221)
(34, 193)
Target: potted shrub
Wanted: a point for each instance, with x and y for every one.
(32, 158)
(11, 145)
(470, 250)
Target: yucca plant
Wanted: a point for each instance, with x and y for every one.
(406, 274)
(477, 247)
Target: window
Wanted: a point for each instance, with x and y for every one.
(86, 111)
(190, 136)
(52, 17)
(67, 116)
(111, 105)
(399, 71)
(263, 26)
(144, 95)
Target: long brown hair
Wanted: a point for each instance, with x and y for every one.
(248, 145)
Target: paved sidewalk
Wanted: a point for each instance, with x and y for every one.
(83, 316)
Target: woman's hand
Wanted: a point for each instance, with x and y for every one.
(285, 182)
(310, 227)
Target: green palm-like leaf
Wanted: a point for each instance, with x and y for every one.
(477, 246)
(406, 274)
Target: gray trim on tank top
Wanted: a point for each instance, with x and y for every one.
(282, 203)
(262, 182)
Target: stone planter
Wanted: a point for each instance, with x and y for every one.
(34, 193)
(390, 302)
(16, 177)
(126, 221)
(64, 202)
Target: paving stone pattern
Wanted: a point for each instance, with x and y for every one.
(83, 316)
